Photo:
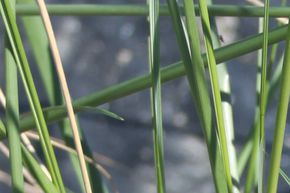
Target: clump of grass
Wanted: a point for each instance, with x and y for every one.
(215, 116)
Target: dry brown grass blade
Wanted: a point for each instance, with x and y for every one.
(5, 150)
(65, 91)
(6, 179)
(59, 144)
(28, 177)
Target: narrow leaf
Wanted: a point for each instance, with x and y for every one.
(12, 117)
(194, 68)
(216, 92)
(154, 61)
(25, 73)
(281, 118)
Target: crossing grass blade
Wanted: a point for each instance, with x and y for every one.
(281, 118)
(196, 77)
(285, 177)
(173, 71)
(12, 117)
(216, 92)
(154, 60)
(27, 80)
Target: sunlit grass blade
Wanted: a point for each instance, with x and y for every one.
(216, 92)
(196, 77)
(23, 67)
(225, 88)
(154, 61)
(12, 117)
(285, 177)
(281, 118)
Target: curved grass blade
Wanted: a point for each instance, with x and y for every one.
(196, 77)
(23, 67)
(281, 118)
(12, 117)
(216, 92)
(154, 60)
(99, 111)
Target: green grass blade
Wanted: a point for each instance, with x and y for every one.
(225, 88)
(256, 159)
(281, 118)
(285, 177)
(12, 117)
(12, 123)
(216, 92)
(37, 172)
(38, 41)
(142, 10)
(2, 128)
(23, 67)
(196, 77)
(274, 85)
(36, 35)
(154, 60)
(168, 73)
(263, 96)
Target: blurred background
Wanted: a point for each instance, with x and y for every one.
(99, 51)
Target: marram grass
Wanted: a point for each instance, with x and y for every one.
(215, 115)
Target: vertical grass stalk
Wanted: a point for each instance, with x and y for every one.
(195, 73)
(225, 88)
(25, 73)
(12, 116)
(216, 92)
(281, 118)
(156, 104)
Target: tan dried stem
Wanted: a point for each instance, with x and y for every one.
(6, 179)
(28, 177)
(65, 91)
(59, 144)
(5, 150)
